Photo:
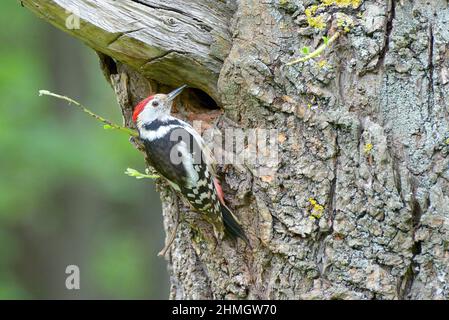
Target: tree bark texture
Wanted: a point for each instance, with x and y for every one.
(365, 134)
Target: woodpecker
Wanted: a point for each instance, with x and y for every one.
(180, 155)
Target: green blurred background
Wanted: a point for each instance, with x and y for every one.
(63, 196)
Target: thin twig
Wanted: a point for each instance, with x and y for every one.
(108, 123)
(164, 250)
(317, 52)
(136, 174)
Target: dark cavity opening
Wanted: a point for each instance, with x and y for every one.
(200, 99)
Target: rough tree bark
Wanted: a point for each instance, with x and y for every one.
(365, 135)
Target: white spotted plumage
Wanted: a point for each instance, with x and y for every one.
(188, 166)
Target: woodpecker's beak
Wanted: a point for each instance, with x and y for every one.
(172, 95)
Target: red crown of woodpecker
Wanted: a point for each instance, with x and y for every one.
(140, 106)
(170, 97)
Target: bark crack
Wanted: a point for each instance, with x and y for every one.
(406, 283)
(121, 34)
(333, 185)
(431, 67)
(396, 174)
(391, 13)
(201, 23)
(160, 57)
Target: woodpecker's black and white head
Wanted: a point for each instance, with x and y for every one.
(155, 107)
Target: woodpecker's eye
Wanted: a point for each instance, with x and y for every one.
(155, 103)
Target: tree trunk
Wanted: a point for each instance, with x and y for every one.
(358, 207)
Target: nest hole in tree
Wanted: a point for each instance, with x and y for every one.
(196, 104)
(201, 99)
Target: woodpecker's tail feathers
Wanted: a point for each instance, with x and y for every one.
(233, 229)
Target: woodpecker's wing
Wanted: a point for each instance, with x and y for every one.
(209, 159)
(176, 150)
(179, 154)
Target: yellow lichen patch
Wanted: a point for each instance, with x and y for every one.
(446, 141)
(342, 3)
(314, 22)
(317, 21)
(367, 148)
(322, 63)
(344, 22)
(316, 209)
(356, 3)
(328, 2)
(310, 11)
